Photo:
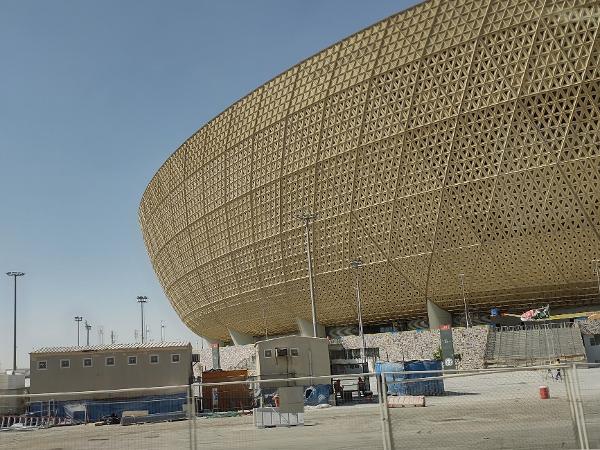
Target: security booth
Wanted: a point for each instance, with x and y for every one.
(292, 357)
(283, 359)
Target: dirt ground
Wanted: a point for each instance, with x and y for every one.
(489, 411)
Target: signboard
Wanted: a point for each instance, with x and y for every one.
(216, 357)
(447, 347)
(215, 399)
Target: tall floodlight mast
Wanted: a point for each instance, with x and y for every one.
(462, 283)
(15, 275)
(142, 299)
(307, 218)
(78, 319)
(356, 265)
(88, 327)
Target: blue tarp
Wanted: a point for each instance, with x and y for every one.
(398, 382)
(317, 394)
(97, 409)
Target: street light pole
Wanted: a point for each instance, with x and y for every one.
(78, 319)
(462, 283)
(15, 275)
(356, 264)
(306, 218)
(141, 300)
(88, 327)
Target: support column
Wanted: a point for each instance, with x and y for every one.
(240, 338)
(437, 316)
(215, 346)
(305, 328)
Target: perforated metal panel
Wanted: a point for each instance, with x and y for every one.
(460, 136)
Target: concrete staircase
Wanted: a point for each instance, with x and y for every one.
(534, 344)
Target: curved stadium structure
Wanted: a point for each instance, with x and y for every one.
(454, 137)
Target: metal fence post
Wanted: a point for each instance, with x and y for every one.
(579, 406)
(572, 397)
(567, 381)
(385, 417)
(571, 401)
(194, 445)
(190, 401)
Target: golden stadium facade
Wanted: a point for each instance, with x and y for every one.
(454, 137)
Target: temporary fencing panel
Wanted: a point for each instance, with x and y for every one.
(481, 409)
(95, 410)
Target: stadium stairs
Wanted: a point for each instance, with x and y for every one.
(534, 344)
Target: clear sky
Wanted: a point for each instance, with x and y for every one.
(94, 96)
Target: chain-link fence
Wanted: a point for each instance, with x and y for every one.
(317, 412)
(516, 409)
(149, 419)
(555, 406)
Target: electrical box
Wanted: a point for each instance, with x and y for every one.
(291, 399)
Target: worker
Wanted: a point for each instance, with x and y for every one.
(558, 374)
(338, 389)
(361, 387)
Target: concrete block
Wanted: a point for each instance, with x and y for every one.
(406, 400)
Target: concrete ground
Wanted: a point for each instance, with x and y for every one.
(486, 411)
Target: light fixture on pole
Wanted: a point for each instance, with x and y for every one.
(357, 264)
(307, 218)
(162, 331)
(15, 275)
(141, 300)
(78, 319)
(88, 327)
(462, 283)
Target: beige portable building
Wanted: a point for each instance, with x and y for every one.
(110, 367)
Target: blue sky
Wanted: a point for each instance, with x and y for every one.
(94, 96)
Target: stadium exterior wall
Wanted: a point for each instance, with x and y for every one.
(454, 137)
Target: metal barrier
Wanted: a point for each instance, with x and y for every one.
(92, 420)
(586, 386)
(533, 344)
(489, 408)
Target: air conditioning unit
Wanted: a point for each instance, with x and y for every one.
(281, 352)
